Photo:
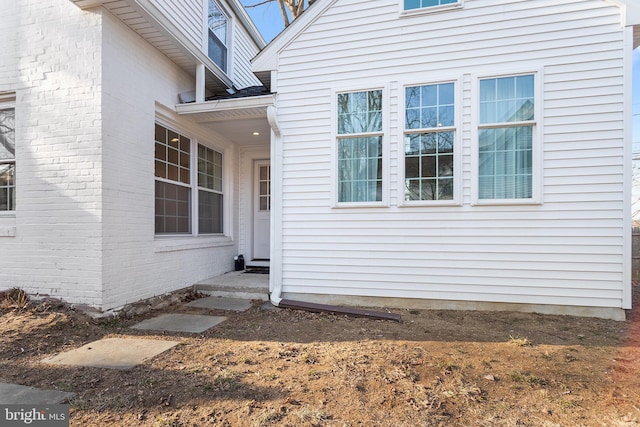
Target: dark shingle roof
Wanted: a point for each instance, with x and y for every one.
(242, 93)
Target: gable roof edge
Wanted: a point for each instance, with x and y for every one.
(267, 59)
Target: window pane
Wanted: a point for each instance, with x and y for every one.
(359, 169)
(217, 22)
(507, 99)
(417, 4)
(429, 106)
(209, 168)
(505, 163)
(432, 165)
(172, 208)
(360, 112)
(7, 134)
(7, 187)
(209, 212)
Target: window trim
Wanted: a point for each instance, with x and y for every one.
(430, 9)
(457, 144)
(196, 238)
(229, 33)
(8, 101)
(384, 133)
(537, 143)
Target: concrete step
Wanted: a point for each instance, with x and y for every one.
(233, 292)
(237, 284)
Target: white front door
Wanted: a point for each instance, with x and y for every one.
(261, 209)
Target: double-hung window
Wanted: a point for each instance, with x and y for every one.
(359, 141)
(506, 137)
(217, 32)
(429, 137)
(175, 194)
(7, 157)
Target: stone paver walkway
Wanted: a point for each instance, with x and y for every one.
(125, 353)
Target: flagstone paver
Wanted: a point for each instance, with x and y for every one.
(113, 353)
(15, 394)
(194, 323)
(218, 303)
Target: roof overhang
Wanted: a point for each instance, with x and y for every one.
(159, 30)
(238, 119)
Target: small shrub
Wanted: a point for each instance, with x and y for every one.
(14, 298)
(520, 342)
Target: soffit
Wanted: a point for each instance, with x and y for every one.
(235, 119)
(181, 52)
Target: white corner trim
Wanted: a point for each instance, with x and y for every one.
(272, 118)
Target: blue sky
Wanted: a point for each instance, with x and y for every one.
(269, 21)
(267, 18)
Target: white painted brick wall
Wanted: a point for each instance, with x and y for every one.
(136, 76)
(50, 59)
(86, 89)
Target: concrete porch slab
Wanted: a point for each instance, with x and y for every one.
(193, 323)
(112, 353)
(221, 303)
(14, 394)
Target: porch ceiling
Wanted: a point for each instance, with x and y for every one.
(235, 119)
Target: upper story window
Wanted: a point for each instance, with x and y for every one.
(422, 4)
(506, 137)
(429, 142)
(360, 146)
(7, 157)
(217, 31)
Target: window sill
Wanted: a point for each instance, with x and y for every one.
(428, 203)
(506, 202)
(430, 9)
(360, 205)
(182, 243)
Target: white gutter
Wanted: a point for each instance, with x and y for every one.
(263, 101)
(275, 273)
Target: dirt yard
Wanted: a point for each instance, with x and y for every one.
(293, 368)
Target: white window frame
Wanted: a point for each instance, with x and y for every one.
(229, 34)
(430, 9)
(384, 133)
(8, 101)
(537, 143)
(457, 143)
(194, 189)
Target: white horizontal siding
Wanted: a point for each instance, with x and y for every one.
(243, 50)
(187, 15)
(567, 250)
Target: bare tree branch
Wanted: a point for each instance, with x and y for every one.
(295, 7)
(285, 17)
(258, 4)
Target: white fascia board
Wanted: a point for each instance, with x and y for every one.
(263, 101)
(267, 60)
(247, 23)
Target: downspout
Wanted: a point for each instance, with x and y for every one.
(275, 276)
